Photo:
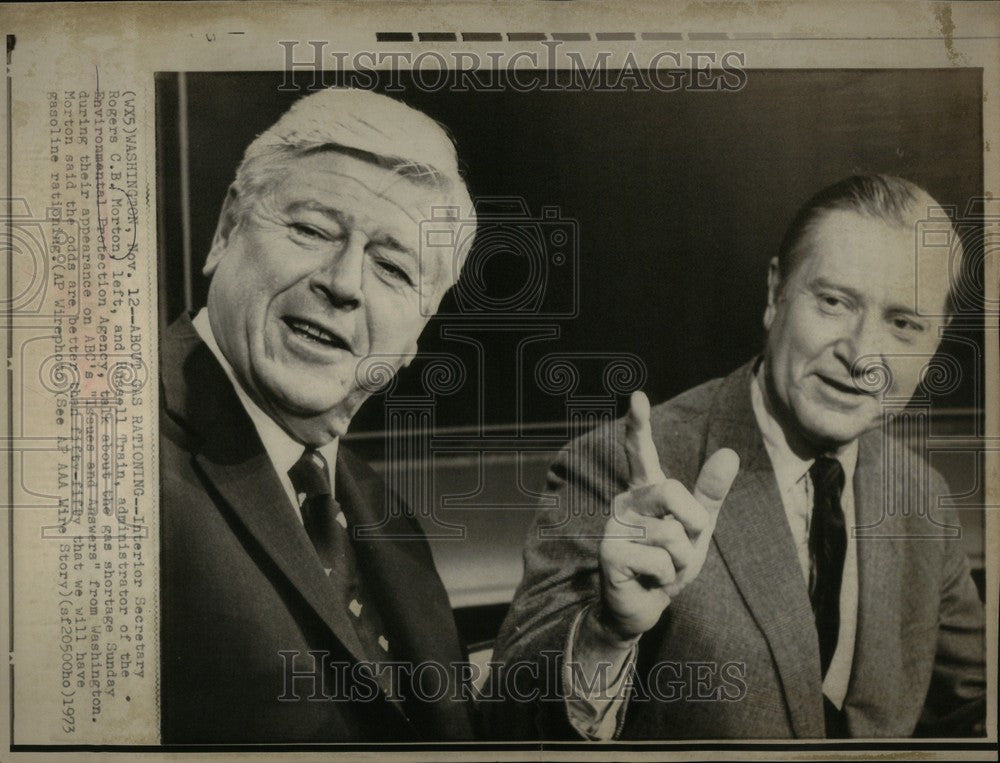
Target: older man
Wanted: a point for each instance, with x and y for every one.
(291, 581)
(754, 558)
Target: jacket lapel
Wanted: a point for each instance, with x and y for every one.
(756, 544)
(400, 572)
(231, 457)
(878, 594)
(395, 559)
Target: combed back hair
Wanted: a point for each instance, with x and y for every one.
(367, 126)
(894, 200)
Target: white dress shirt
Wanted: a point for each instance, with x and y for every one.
(282, 450)
(597, 716)
(795, 486)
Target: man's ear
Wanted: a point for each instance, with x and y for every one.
(228, 220)
(773, 292)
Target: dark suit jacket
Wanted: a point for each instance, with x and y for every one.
(240, 582)
(920, 637)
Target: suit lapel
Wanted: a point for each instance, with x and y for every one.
(230, 455)
(389, 550)
(400, 574)
(878, 594)
(756, 544)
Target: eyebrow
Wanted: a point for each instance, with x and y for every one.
(903, 310)
(310, 205)
(340, 218)
(393, 243)
(822, 283)
(856, 296)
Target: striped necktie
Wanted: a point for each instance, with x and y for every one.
(327, 527)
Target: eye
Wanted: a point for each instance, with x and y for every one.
(905, 324)
(307, 231)
(831, 303)
(393, 270)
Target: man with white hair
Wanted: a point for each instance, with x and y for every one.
(291, 581)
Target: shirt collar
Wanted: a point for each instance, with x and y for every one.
(283, 450)
(789, 467)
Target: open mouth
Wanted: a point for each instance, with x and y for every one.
(312, 332)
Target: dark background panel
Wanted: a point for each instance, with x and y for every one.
(679, 199)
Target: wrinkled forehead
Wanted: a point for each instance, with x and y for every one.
(378, 130)
(420, 211)
(918, 253)
(264, 169)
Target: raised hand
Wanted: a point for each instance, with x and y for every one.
(644, 566)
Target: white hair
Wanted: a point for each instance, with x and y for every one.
(368, 126)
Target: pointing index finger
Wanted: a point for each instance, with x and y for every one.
(643, 460)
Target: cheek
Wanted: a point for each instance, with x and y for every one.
(270, 268)
(803, 349)
(789, 348)
(808, 337)
(267, 262)
(393, 324)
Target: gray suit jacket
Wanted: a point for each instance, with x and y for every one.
(920, 633)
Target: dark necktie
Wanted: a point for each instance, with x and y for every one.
(327, 527)
(827, 547)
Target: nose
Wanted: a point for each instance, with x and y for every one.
(339, 280)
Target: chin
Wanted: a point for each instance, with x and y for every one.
(305, 403)
(318, 430)
(830, 432)
(298, 393)
(310, 416)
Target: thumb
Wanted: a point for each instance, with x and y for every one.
(715, 479)
(643, 460)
